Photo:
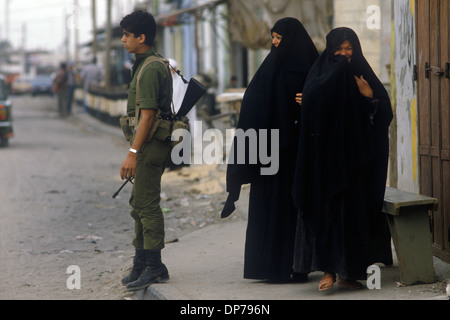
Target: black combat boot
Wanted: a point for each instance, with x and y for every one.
(138, 267)
(154, 272)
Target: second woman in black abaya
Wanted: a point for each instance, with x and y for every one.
(342, 167)
(269, 103)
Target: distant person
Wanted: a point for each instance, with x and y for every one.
(90, 75)
(208, 101)
(60, 89)
(70, 87)
(233, 82)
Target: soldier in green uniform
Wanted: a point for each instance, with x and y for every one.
(149, 99)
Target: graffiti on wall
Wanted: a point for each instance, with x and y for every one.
(406, 106)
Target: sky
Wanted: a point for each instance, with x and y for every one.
(45, 24)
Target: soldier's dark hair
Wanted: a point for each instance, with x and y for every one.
(140, 22)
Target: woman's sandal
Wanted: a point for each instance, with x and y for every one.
(327, 281)
(349, 284)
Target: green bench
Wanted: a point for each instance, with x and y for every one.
(409, 223)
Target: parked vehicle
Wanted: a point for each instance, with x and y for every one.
(21, 86)
(6, 130)
(41, 84)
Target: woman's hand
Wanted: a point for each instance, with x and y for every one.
(364, 87)
(298, 98)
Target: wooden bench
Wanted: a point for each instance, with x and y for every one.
(409, 223)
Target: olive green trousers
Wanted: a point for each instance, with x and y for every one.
(146, 195)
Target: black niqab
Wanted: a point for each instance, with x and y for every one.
(269, 101)
(341, 167)
(296, 52)
(341, 129)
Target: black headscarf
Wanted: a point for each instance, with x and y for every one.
(296, 52)
(341, 131)
(269, 101)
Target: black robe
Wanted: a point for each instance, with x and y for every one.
(341, 167)
(269, 103)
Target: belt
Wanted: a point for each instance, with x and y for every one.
(163, 123)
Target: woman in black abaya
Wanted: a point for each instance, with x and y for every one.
(342, 167)
(269, 103)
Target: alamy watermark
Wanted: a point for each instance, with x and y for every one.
(74, 280)
(374, 17)
(247, 147)
(373, 277)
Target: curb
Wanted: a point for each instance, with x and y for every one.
(160, 291)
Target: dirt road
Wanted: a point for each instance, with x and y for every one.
(58, 176)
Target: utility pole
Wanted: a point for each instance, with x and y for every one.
(76, 10)
(94, 28)
(7, 3)
(67, 40)
(108, 45)
(23, 55)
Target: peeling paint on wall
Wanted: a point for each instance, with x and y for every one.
(412, 6)
(406, 110)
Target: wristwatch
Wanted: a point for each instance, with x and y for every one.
(133, 151)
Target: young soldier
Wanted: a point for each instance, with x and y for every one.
(146, 158)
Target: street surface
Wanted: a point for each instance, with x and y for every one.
(58, 177)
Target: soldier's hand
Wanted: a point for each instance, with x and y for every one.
(128, 168)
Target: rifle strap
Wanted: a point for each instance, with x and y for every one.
(134, 121)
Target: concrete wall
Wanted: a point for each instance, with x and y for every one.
(404, 51)
(315, 15)
(375, 40)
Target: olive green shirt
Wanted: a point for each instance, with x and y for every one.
(155, 86)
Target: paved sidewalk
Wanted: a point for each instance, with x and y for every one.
(208, 265)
